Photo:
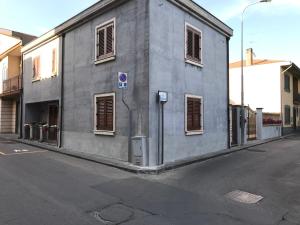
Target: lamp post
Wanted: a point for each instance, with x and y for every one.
(242, 70)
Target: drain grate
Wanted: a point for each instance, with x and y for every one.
(244, 197)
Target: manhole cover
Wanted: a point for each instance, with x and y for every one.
(244, 197)
(114, 214)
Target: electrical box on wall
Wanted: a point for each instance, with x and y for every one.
(162, 96)
(139, 151)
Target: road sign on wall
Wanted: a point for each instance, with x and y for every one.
(122, 80)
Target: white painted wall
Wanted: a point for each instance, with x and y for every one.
(7, 42)
(261, 87)
(45, 53)
(271, 132)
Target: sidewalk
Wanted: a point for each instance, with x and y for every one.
(137, 169)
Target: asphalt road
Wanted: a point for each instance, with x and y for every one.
(45, 188)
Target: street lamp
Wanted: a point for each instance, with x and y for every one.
(242, 70)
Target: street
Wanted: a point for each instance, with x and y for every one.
(40, 187)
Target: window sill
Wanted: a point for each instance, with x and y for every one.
(105, 60)
(194, 63)
(196, 132)
(105, 133)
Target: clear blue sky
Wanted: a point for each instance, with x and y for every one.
(271, 29)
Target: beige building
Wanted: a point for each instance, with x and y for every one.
(11, 79)
(273, 85)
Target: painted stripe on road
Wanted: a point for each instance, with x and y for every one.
(22, 153)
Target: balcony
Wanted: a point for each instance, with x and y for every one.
(297, 99)
(11, 86)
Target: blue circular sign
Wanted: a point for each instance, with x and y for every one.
(123, 77)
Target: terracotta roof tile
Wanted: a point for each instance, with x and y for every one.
(256, 62)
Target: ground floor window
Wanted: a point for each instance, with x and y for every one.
(287, 115)
(104, 122)
(193, 114)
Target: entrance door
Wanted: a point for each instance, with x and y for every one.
(234, 128)
(53, 117)
(251, 124)
(17, 117)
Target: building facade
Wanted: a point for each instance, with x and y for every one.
(11, 43)
(42, 91)
(273, 85)
(185, 56)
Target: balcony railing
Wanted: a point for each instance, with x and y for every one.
(13, 84)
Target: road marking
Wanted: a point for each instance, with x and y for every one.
(22, 153)
(20, 150)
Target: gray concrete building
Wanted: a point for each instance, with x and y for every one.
(172, 46)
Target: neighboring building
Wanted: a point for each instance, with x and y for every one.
(170, 45)
(11, 79)
(42, 90)
(273, 85)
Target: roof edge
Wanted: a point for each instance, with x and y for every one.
(205, 16)
(96, 8)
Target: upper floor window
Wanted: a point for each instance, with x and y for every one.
(193, 114)
(287, 83)
(287, 115)
(105, 41)
(193, 45)
(54, 61)
(36, 68)
(4, 72)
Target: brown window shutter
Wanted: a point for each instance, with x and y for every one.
(33, 69)
(38, 72)
(105, 113)
(189, 114)
(101, 43)
(36, 68)
(197, 46)
(54, 61)
(193, 48)
(100, 114)
(109, 39)
(189, 44)
(194, 114)
(109, 113)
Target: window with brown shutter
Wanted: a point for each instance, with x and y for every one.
(104, 112)
(193, 45)
(54, 62)
(36, 70)
(194, 110)
(105, 41)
